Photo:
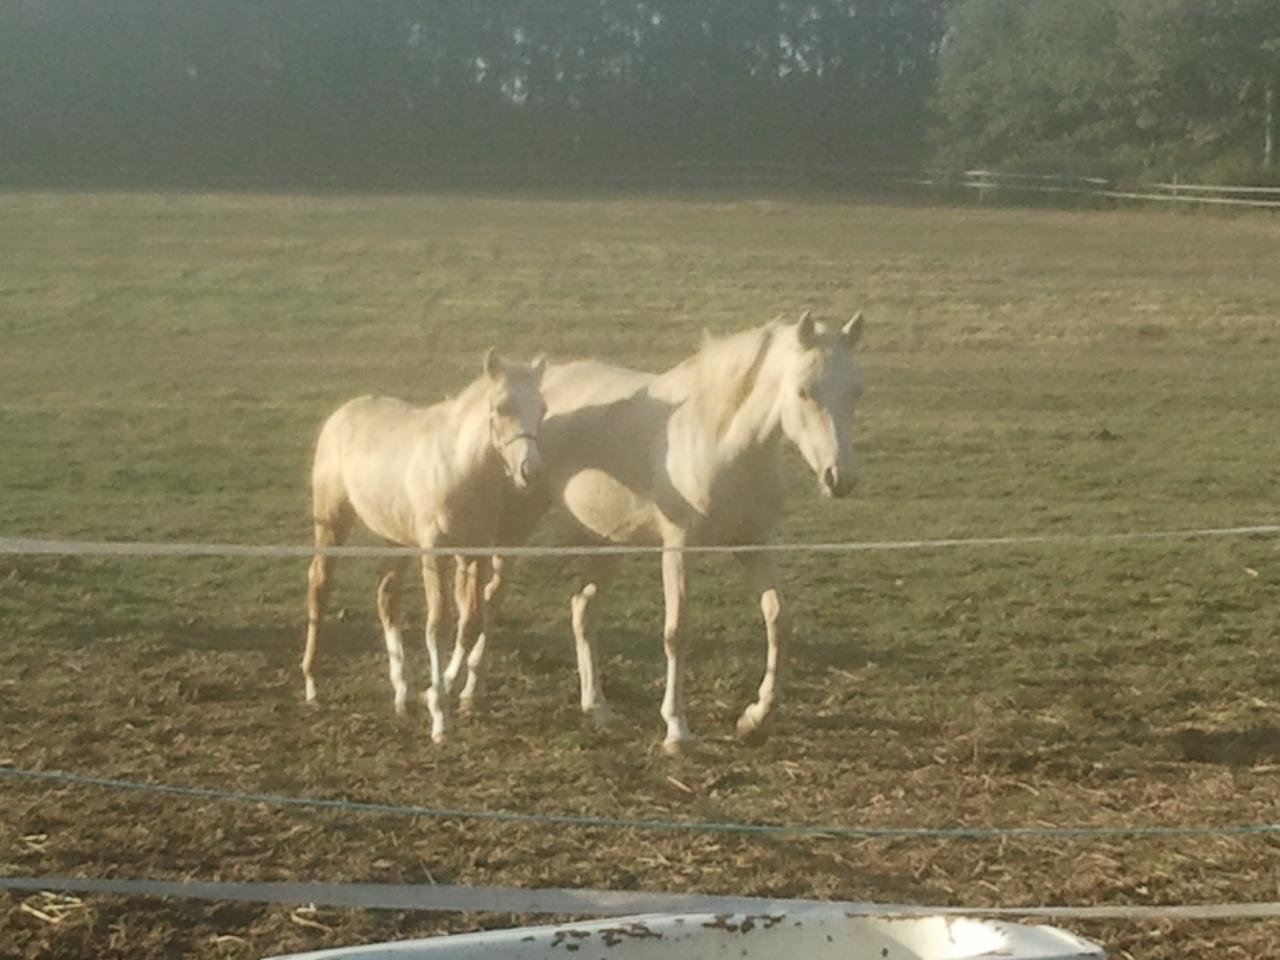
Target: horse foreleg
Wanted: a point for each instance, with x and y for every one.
(584, 618)
(389, 614)
(674, 642)
(437, 602)
(762, 577)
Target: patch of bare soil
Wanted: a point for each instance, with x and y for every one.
(225, 713)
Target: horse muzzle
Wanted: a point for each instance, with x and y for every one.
(835, 482)
(527, 469)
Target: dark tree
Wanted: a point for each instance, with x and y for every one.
(242, 88)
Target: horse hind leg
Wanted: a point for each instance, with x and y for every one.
(762, 578)
(389, 614)
(489, 601)
(582, 609)
(329, 532)
(465, 584)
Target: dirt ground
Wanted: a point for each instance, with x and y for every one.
(225, 714)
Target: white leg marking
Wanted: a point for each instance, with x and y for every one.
(594, 705)
(437, 615)
(319, 586)
(464, 583)
(674, 644)
(473, 688)
(762, 577)
(395, 659)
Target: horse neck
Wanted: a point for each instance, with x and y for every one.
(755, 426)
(468, 437)
(731, 392)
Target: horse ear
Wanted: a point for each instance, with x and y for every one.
(805, 331)
(492, 364)
(852, 331)
(539, 365)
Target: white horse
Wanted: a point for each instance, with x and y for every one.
(692, 457)
(425, 477)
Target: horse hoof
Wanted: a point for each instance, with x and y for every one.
(601, 718)
(751, 732)
(438, 739)
(750, 722)
(676, 748)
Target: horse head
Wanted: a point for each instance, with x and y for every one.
(516, 410)
(819, 392)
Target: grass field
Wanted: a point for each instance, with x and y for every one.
(165, 361)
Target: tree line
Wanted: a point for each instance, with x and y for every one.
(156, 89)
(1113, 86)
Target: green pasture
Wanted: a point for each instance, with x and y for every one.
(166, 360)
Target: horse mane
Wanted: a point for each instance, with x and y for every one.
(717, 379)
(468, 395)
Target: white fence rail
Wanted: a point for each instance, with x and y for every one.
(988, 182)
(35, 547)
(701, 174)
(592, 902)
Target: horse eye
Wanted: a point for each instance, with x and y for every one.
(806, 394)
(505, 409)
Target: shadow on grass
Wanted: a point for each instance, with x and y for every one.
(1233, 748)
(279, 644)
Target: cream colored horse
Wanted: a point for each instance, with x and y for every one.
(425, 477)
(692, 457)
